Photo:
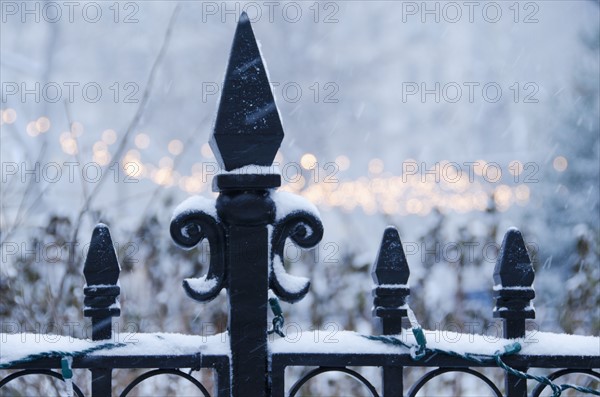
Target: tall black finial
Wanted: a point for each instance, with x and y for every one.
(390, 273)
(248, 130)
(101, 271)
(513, 289)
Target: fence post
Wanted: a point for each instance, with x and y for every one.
(247, 133)
(513, 290)
(390, 273)
(244, 234)
(101, 271)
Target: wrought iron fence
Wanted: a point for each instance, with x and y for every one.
(246, 228)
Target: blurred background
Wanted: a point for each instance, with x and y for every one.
(452, 122)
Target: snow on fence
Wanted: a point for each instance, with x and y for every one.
(247, 227)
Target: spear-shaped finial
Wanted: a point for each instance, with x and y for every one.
(101, 271)
(247, 130)
(101, 265)
(513, 289)
(390, 266)
(513, 268)
(390, 273)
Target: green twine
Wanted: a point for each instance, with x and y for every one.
(65, 367)
(67, 374)
(556, 389)
(61, 354)
(65, 361)
(419, 350)
(278, 319)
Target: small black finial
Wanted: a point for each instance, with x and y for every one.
(513, 279)
(101, 271)
(247, 130)
(390, 266)
(101, 265)
(390, 273)
(513, 268)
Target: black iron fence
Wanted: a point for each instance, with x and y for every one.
(246, 228)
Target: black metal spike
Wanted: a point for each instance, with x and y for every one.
(101, 271)
(390, 273)
(513, 279)
(513, 268)
(101, 265)
(513, 290)
(247, 129)
(390, 266)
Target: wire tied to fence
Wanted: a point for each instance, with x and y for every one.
(278, 319)
(420, 350)
(61, 354)
(556, 389)
(66, 361)
(67, 374)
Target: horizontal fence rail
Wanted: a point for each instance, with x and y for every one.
(247, 227)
